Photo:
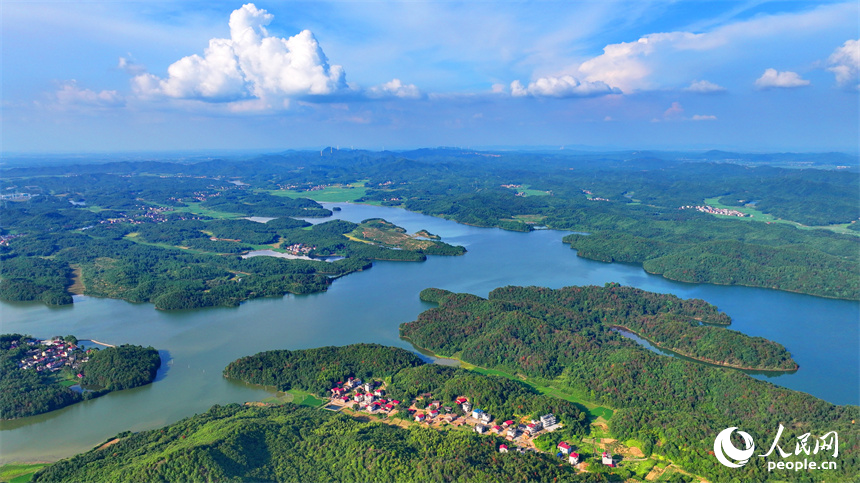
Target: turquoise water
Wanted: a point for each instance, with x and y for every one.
(368, 306)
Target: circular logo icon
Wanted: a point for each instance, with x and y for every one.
(723, 448)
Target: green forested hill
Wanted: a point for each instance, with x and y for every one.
(292, 443)
(317, 370)
(676, 407)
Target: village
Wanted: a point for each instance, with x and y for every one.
(300, 249)
(51, 355)
(714, 211)
(370, 397)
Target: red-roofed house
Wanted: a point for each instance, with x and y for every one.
(420, 417)
(607, 460)
(573, 458)
(503, 448)
(508, 423)
(564, 447)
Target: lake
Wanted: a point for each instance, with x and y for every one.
(822, 334)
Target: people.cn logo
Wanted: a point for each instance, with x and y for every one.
(723, 448)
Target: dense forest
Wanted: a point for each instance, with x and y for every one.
(526, 317)
(27, 392)
(122, 367)
(627, 201)
(292, 443)
(675, 407)
(317, 370)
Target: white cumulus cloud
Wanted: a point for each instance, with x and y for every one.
(845, 64)
(69, 94)
(704, 87)
(564, 86)
(701, 117)
(250, 64)
(628, 65)
(395, 88)
(775, 79)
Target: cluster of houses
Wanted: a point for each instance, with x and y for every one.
(482, 421)
(152, 214)
(318, 187)
(17, 196)
(199, 196)
(155, 213)
(369, 396)
(573, 457)
(4, 239)
(591, 196)
(304, 187)
(300, 249)
(512, 186)
(714, 211)
(51, 355)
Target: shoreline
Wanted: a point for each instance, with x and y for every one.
(701, 359)
(736, 284)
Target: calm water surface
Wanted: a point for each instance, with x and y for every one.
(368, 306)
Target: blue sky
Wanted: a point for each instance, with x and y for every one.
(171, 75)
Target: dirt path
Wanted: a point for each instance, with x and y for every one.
(77, 287)
(109, 443)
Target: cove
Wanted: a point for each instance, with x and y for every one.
(822, 334)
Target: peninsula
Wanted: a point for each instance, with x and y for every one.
(39, 376)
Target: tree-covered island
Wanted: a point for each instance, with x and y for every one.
(39, 376)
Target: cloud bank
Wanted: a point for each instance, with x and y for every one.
(250, 64)
(561, 87)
